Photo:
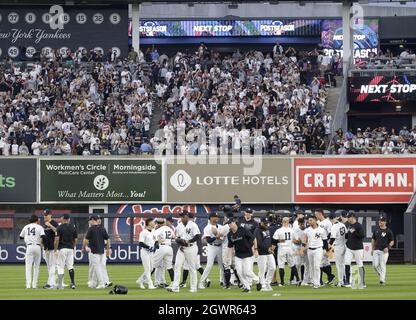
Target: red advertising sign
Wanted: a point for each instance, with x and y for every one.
(354, 180)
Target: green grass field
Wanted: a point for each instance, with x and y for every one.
(401, 284)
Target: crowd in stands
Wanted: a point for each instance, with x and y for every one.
(247, 101)
(375, 141)
(87, 103)
(52, 107)
(385, 59)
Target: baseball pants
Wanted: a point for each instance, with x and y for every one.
(65, 259)
(33, 257)
(285, 255)
(104, 268)
(213, 252)
(147, 263)
(190, 256)
(92, 278)
(379, 262)
(267, 267)
(162, 259)
(198, 263)
(307, 273)
(50, 259)
(244, 268)
(358, 255)
(99, 267)
(339, 255)
(315, 259)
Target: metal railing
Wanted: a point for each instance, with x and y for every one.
(340, 117)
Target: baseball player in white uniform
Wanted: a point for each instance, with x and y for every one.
(163, 256)
(33, 235)
(337, 244)
(146, 244)
(326, 264)
(187, 234)
(284, 238)
(315, 239)
(214, 238)
(301, 258)
(49, 254)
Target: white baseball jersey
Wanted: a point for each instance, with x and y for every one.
(187, 232)
(298, 235)
(164, 235)
(295, 225)
(284, 233)
(146, 237)
(32, 233)
(325, 224)
(208, 233)
(338, 232)
(224, 231)
(315, 237)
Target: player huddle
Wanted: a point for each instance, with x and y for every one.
(58, 240)
(306, 245)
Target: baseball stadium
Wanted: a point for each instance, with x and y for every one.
(207, 150)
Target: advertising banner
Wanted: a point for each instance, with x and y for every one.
(366, 37)
(354, 180)
(18, 181)
(229, 28)
(218, 183)
(121, 253)
(26, 31)
(382, 89)
(100, 181)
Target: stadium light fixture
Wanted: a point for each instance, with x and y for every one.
(398, 108)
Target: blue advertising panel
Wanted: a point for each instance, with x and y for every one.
(229, 28)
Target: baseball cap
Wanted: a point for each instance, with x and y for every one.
(160, 221)
(231, 220)
(332, 215)
(213, 215)
(227, 208)
(249, 210)
(47, 212)
(169, 219)
(351, 215)
(184, 213)
(297, 212)
(191, 215)
(344, 213)
(93, 217)
(264, 220)
(66, 216)
(382, 218)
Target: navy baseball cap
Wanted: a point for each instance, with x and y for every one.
(66, 216)
(169, 219)
(297, 212)
(264, 220)
(332, 215)
(184, 213)
(94, 217)
(344, 213)
(231, 220)
(249, 210)
(47, 212)
(351, 215)
(213, 215)
(382, 218)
